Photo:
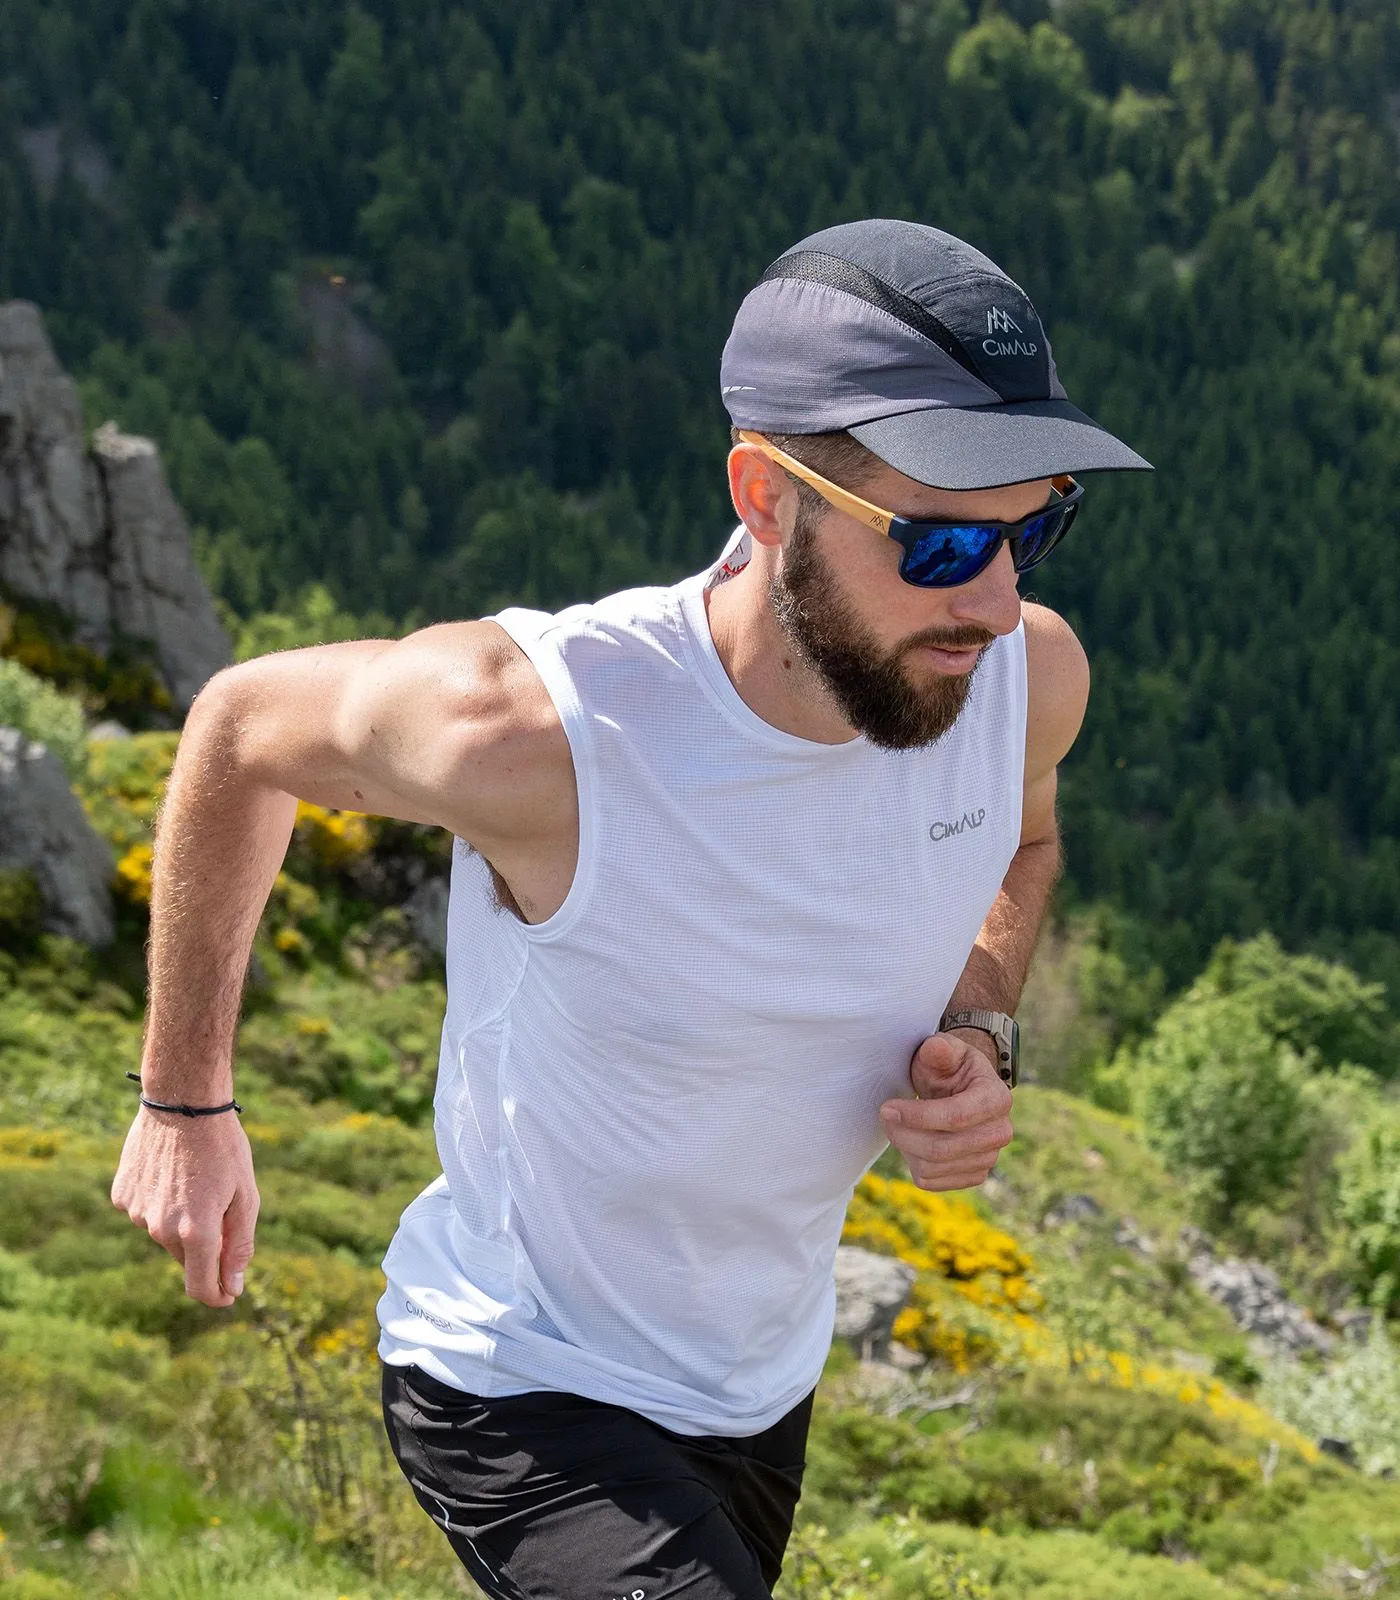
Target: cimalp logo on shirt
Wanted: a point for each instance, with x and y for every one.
(939, 831)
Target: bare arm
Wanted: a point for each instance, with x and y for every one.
(952, 1135)
(450, 726)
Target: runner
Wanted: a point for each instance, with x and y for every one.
(746, 876)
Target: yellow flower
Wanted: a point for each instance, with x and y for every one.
(974, 1297)
(334, 837)
(134, 874)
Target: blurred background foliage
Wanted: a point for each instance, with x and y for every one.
(1075, 1416)
(425, 306)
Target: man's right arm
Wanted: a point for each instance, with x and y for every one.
(450, 726)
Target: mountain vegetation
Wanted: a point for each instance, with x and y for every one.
(1076, 1413)
(425, 305)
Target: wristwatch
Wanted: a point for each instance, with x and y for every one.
(1006, 1035)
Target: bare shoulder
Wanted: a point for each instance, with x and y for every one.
(502, 768)
(450, 725)
(1057, 687)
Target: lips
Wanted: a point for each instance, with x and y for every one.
(960, 660)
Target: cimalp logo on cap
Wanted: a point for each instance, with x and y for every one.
(1002, 322)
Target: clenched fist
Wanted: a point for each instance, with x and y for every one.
(189, 1183)
(952, 1134)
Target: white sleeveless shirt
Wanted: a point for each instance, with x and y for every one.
(652, 1108)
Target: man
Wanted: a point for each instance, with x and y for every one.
(746, 878)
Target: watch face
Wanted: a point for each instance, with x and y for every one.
(1011, 1070)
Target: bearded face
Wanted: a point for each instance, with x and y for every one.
(872, 686)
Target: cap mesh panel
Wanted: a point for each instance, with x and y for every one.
(815, 266)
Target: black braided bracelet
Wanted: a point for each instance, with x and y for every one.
(185, 1111)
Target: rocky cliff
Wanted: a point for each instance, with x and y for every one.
(91, 527)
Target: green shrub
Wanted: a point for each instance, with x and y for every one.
(37, 1197)
(1368, 1207)
(365, 1152)
(1320, 1008)
(44, 713)
(148, 1488)
(147, 1296)
(36, 1586)
(21, 907)
(1223, 1103)
(312, 618)
(896, 1556)
(67, 1394)
(20, 1284)
(1356, 1398)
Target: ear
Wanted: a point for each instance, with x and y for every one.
(764, 497)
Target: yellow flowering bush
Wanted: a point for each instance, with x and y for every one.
(123, 784)
(134, 874)
(334, 838)
(973, 1298)
(1118, 1370)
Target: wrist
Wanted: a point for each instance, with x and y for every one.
(978, 1038)
(999, 1031)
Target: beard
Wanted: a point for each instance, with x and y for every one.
(871, 685)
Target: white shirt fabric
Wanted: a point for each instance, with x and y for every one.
(652, 1108)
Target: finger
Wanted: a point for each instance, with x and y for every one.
(988, 1142)
(240, 1221)
(202, 1268)
(988, 1100)
(960, 1178)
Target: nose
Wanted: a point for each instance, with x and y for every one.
(990, 600)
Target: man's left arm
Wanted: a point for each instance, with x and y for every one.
(953, 1132)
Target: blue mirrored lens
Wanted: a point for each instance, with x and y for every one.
(949, 555)
(1038, 535)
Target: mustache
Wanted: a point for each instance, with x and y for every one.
(968, 638)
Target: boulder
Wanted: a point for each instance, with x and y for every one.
(426, 910)
(1253, 1296)
(97, 532)
(870, 1293)
(1073, 1208)
(44, 830)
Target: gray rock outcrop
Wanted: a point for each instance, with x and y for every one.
(44, 830)
(97, 532)
(426, 910)
(870, 1293)
(1254, 1297)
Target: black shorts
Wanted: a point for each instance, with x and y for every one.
(547, 1496)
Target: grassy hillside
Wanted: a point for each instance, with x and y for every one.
(1087, 1423)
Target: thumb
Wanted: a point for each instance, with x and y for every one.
(937, 1061)
(240, 1220)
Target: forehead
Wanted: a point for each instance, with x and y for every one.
(1009, 502)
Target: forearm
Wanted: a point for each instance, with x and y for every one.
(996, 969)
(220, 840)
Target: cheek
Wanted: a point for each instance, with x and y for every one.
(867, 567)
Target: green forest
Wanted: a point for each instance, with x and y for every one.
(425, 304)
(424, 307)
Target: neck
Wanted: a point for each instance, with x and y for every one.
(768, 673)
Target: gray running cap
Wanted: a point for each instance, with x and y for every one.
(920, 347)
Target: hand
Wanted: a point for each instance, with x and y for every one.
(189, 1182)
(951, 1136)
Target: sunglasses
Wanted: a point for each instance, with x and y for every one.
(942, 555)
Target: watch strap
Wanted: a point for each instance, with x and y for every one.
(1003, 1031)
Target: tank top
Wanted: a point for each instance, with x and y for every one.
(652, 1108)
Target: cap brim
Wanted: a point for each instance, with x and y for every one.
(983, 447)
